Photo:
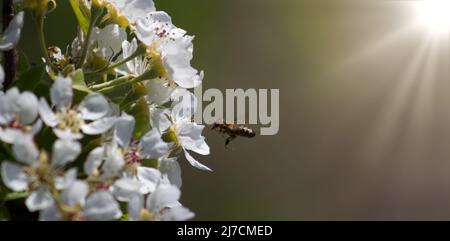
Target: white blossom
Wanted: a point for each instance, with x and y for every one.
(91, 117)
(108, 160)
(161, 205)
(98, 206)
(173, 45)
(36, 173)
(133, 9)
(18, 115)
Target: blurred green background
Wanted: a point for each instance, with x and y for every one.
(359, 137)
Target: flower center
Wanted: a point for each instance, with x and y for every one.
(40, 174)
(145, 215)
(132, 156)
(69, 119)
(15, 124)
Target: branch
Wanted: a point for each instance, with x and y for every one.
(10, 57)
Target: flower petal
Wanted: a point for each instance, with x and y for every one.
(149, 177)
(123, 129)
(134, 9)
(2, 76)
(194, 162)
(64, 152)
(61, 92)
(171, 167)
(26, 108)
(50, 214)
(101, 206)
(125, 188)
(67, 134)
(190, 135)
(12, 33)
(75, 194)
(163, 196)
(25, 150)
(10, 135)
(99, 126)
(93, 161)
(94, 107)
(46, 113)
(135, 206)
(178, 213)
(13, 177)
(39, 200)
(153, 145)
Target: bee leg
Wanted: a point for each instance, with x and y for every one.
(228, 141)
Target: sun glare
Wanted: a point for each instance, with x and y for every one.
(435, 15)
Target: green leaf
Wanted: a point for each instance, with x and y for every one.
(141, 113)
(4, 213)
(31, 78)
(15, 195)
(137, 91)
(78, 82)
(80, 14)
(24, 63)
(150, 163)
(79, 86)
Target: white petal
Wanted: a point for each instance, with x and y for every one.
(37, 126)
(8, 106)
(50, 214)
(62, 182)
(190, 135)
(93, 161)
(195, 163)
(178, 213)
(13, 177)
(171, 167)
(148, 29)
(159, 118)
(123, 129)
(159, 91)
(75, 193)
(12, 33)
(10, 135)
(67, 134)
(94, 107)
(163, 196)
(61, 92)
(2, 76)
(27, 108)
(135, 206)
(114, 161)
(101, 206)
(134, 9)
(65, 151)
(46, 113)
(149, 177)
(181, 71)
(99, 126)
(25, 151)
(39, 200)
(125, 188)
(153, 145)
(108, 40)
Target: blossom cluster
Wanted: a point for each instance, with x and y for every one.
(98, 133)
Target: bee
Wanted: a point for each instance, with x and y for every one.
(233, 131)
